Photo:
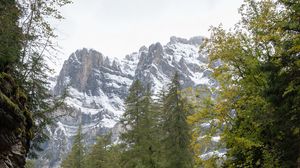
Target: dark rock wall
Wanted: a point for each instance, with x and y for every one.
(15, 124)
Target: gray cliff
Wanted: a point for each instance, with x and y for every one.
(98, 85)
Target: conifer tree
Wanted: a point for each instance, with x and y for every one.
(11, 35)
(176, 129)
(149, 139)
(131, 122)
(96, 157)
(75, 158)
(138, 121)
(103, 154)
(113, 157)
(25, 36)
(32, 68)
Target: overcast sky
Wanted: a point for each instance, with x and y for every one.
(120, 27)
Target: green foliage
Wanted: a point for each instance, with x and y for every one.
(203, 112)
(31, 70)
(15, 121)
(75, 158)
(258, 73)
(103, 154)
(140, 125)
(156, 134)
(10, 34)
(176, 131)
(97, 156)
(29, 164)
(25, 43)
(42, 104)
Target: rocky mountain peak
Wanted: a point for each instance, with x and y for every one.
(98, 85)
(143, 49)
(78, 70)
(197, 40)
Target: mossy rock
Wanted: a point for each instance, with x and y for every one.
(8, 101)
(6, 83)
(14, 113)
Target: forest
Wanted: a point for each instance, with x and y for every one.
(255, 110)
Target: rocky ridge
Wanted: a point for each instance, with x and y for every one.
(98, 85)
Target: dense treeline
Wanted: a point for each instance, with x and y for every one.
(255, 108)
(156, 133)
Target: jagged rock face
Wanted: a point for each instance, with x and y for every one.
(157, 65)
(98, 86)
(86, 71)
(15, 123)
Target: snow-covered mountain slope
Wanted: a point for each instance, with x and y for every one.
(98, 85)
(159, 63)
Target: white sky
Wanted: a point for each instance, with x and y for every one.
(119, 27)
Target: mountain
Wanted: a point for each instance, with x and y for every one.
(98, 85)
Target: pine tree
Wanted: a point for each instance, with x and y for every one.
(96, 157)
(176, 129)
(139, 123)
(32, 69)
(131, 121)
(113, 157)
(75, 158)
(103, 154)
(149, 131)
(11, 35)
(25, 36)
